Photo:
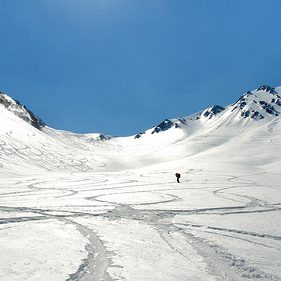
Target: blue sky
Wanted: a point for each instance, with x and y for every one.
(122, 66)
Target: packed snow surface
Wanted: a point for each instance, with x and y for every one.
(87, 207)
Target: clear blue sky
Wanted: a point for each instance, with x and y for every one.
(121, 66)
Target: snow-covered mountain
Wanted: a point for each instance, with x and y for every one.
(21, 111)
(262, 103)
(177, 138)
(92, 207)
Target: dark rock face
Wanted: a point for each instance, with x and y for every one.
(245, 113)
(276, 101)
(21, 111)
(180, 121)
(213, 111)
(257, 116)
(252, 114)
(35, 120)
(139, 135)
(163, 126)
(262, 103)
(103, 137)
(241, 103)
(268, 108)
(267, 88)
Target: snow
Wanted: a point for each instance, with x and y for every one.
(39, 250)
(76, 207)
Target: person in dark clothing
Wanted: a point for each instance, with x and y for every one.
(178, 177)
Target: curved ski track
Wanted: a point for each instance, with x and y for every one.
(158, 209)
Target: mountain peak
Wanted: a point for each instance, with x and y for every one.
(21, 111)
(164, 126)
(267, 88)
(212, 111)
(264, 102)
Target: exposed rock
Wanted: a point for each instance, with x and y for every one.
(21, 111)
(267, 88)
(163, 126)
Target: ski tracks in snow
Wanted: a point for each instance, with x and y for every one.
(153, 200)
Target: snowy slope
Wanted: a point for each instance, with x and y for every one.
(21, 111)
(51, 149)
(264, 103)
(92, 207)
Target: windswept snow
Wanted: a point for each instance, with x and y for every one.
(85, 207)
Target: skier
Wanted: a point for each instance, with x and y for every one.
(178, 177)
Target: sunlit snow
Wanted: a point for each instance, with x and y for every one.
(78, 207)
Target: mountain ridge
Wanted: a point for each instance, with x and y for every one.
(207, 132)
(261, 103)
(21, 111)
